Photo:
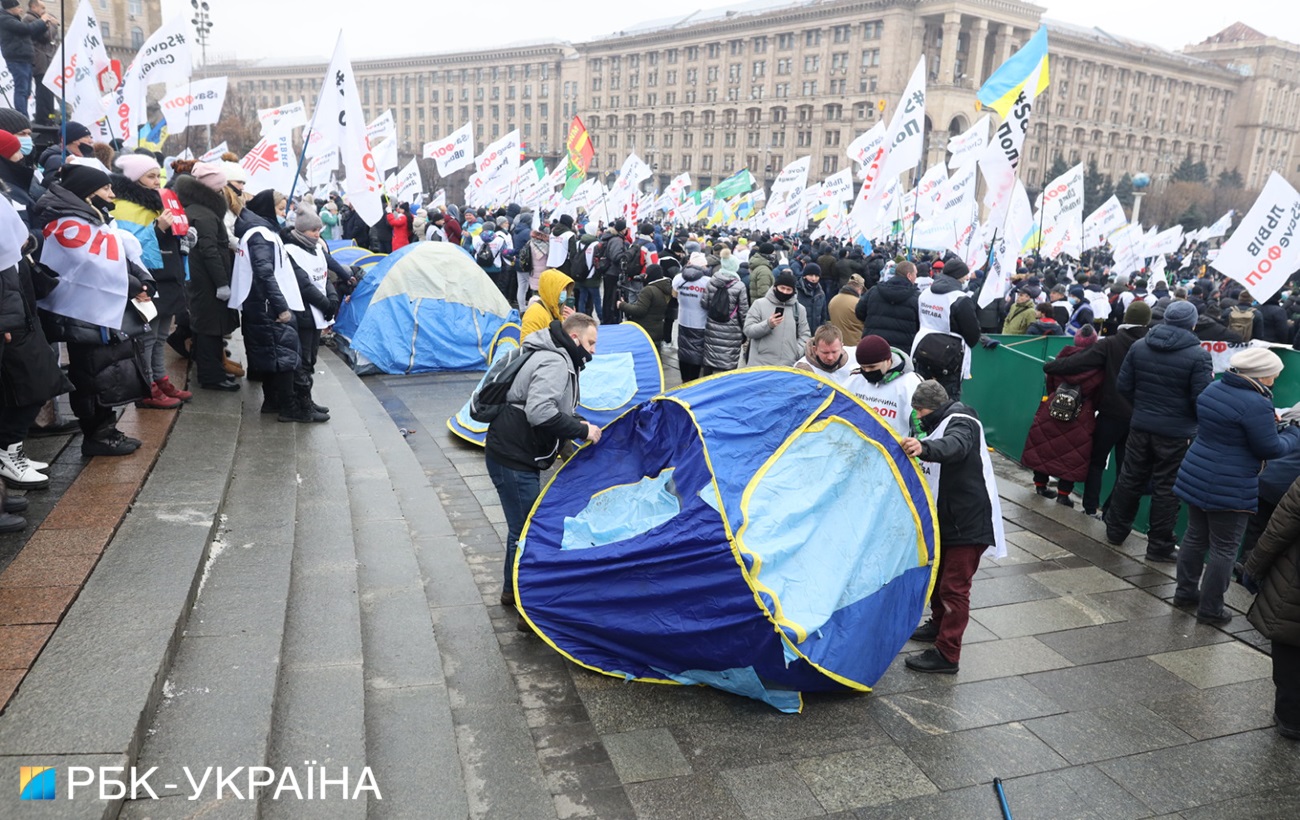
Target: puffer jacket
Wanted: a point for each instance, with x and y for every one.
(552, 287)
(889, 310)
(1108, 354)
(210, 261)
(650, 308)
(780, 346)
(693, 315)
(964, 510)
(723, 340)
(841, 310)
(1274, 563)
(1064, 448)
(272, 346)
(761, 277)
(813, 299)
(16, 38)
(1171, 369)
(541, 404)
(1272, 325)
(327, 302)
(1237, 434)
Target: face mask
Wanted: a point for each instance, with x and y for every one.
(100, 203)
(281, 220)
(784, 297)
(86, 150)
(25, 144)
(873, 376)
(1074, 300)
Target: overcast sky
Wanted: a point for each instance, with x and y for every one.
(249, 29)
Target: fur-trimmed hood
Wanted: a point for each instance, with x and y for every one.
(192, 192)
(136, 193)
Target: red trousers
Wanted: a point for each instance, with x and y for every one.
(950, 601)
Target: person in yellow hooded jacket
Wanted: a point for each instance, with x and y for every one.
(554, 301)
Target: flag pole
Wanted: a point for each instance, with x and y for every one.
(63, 84)
(306, 139)
(1042, 196)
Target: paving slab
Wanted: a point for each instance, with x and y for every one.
(771, 792)
(645, 754)
(979, 755)
(693, 797)
(1037, 617)
(1223, 710)
(914, 715)
(1086, 687)
(1116, 730)
(1206, 667)
(851, 780)
(1130, 639)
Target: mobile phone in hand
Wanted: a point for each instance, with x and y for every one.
(780, 310)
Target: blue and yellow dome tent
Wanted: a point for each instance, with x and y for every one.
(428, 307)
(352, 255)
(759, 531)
(625, 371)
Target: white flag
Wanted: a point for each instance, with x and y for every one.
(385, 154)
(1006, 246)
(215, 153)
(502, 154)
(1263, 252)
(863, 149)
(453, 152)
(13, 234)
(406, 185)
(907, 127)
(1124, 248)
(838, 187)
(967, 147)
(271, 163)
(927, 189)
(1061, 215)
(632, 174)
(339, 119)
(1001, 159)
(291, 115)
(88, 74)
(91, 263)
(439, 200)
(194, 103)
(319, 168)
(383, 128)
(1166, 242)
(1103, 222)
(1219, 228)
(164, 58)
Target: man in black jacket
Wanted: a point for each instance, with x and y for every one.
(1113, 410)
(946, 297)
(965, 510)
(609, 264)
(889, 309)
(1172, 369)
(17, 47)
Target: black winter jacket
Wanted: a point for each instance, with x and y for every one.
(1274, 563)
(1172, 369)
(1107, 353)
(962, 504)
(889, 310)
(16, 38)
(210, 259)
(272, 345)
(964, 322)
(1271, 324)
(328, 302)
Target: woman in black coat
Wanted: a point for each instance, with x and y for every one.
(312, 266)
(211, 261)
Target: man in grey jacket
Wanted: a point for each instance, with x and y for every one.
(777, 326)
(539, 416)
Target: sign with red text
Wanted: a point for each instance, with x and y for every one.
(194, 103)
(1263, 251)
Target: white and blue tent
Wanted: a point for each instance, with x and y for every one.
(426, 308)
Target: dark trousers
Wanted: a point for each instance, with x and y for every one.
(1063, 487)
(1209, 550)
(1154, 460)
(589, 302)
(22, 74)
(304, 378)
(690, 372)
(44, 103)
(950, 601)
(91, 415)
(609, 308)
(14, 422)
(1286, 679)
(206, 353)
(518, 491)
(1111, 433)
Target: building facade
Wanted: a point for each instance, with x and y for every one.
(126, 24)
(720, 90)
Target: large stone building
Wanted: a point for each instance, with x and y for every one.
(126, 24)
(763, 85)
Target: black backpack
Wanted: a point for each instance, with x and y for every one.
(489, 397)
(1066, 402)
(578, 269)
(939, 355)
(720, 309)
(524, 258)
(600, 257)
(485, 256)
(634, 261)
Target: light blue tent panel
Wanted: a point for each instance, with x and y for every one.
(462, 424)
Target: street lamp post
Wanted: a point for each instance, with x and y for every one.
(203, 31)
(1140, 184)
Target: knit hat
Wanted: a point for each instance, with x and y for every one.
(653, 272)
(9, 144)
(234, 172)
(786, 278)
(1254, 362)
(307, 220)
(1086, 337)
(13, 122)
(857, 280)
(873, 349)
(76, 131)
(135, 166)
(1178, 314)
(566, 219)
(8, 4)
(766, 248)
(1077, 291)
(82, 180)
(1139, 313)
(929, 395)
(211, 174)
(955, 268)
(697, 260)
(812, 269)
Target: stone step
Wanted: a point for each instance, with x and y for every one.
(320, 706)
(91, 695)
(410, 738)
(501, 773)
(221, 689)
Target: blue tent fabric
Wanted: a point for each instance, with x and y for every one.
(734, 566)
(462, 424)
(426, 308)
(339, 244)
(352, 255)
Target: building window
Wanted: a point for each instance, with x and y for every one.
(135, 8)
(809, 88)
(812, 37)
(839, 87)
(733, 73)
(833, 137)
(737, 47)
(785, 41)
(870, 58)
(830, 164)
(760, 44)
(760, 68)
(784, 65)
(841, 33)
(872, 28)
(715, 50)
(692, 54)
(137, 37)
(711, 74)
(812, 63)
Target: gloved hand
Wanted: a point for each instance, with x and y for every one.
(223, 293)
(1251, 585)
(989, 343)
(188, 241)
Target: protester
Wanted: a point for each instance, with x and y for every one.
(842, 309)
(555, 300)
(1163, 374)
(1044, 323)
(724, 327)
(776, 326)
(885, 381)
(826, 355)
(762, 263)
(889, 310)
(690, 288)
(960, 473)
(651, 304)
(1059, 442)
(312, 265)
(1219, 476)
(811, 295)
(16, 46)
(948, 329)
(539, 415)
(1022, 314)
(211, 262)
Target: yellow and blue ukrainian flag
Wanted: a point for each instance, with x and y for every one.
(999, 92)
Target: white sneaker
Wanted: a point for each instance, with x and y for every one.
(18, 472)
(22, 451)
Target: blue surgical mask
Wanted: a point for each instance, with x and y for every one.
(25, 144)
(281, 220)
(1074, 300)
